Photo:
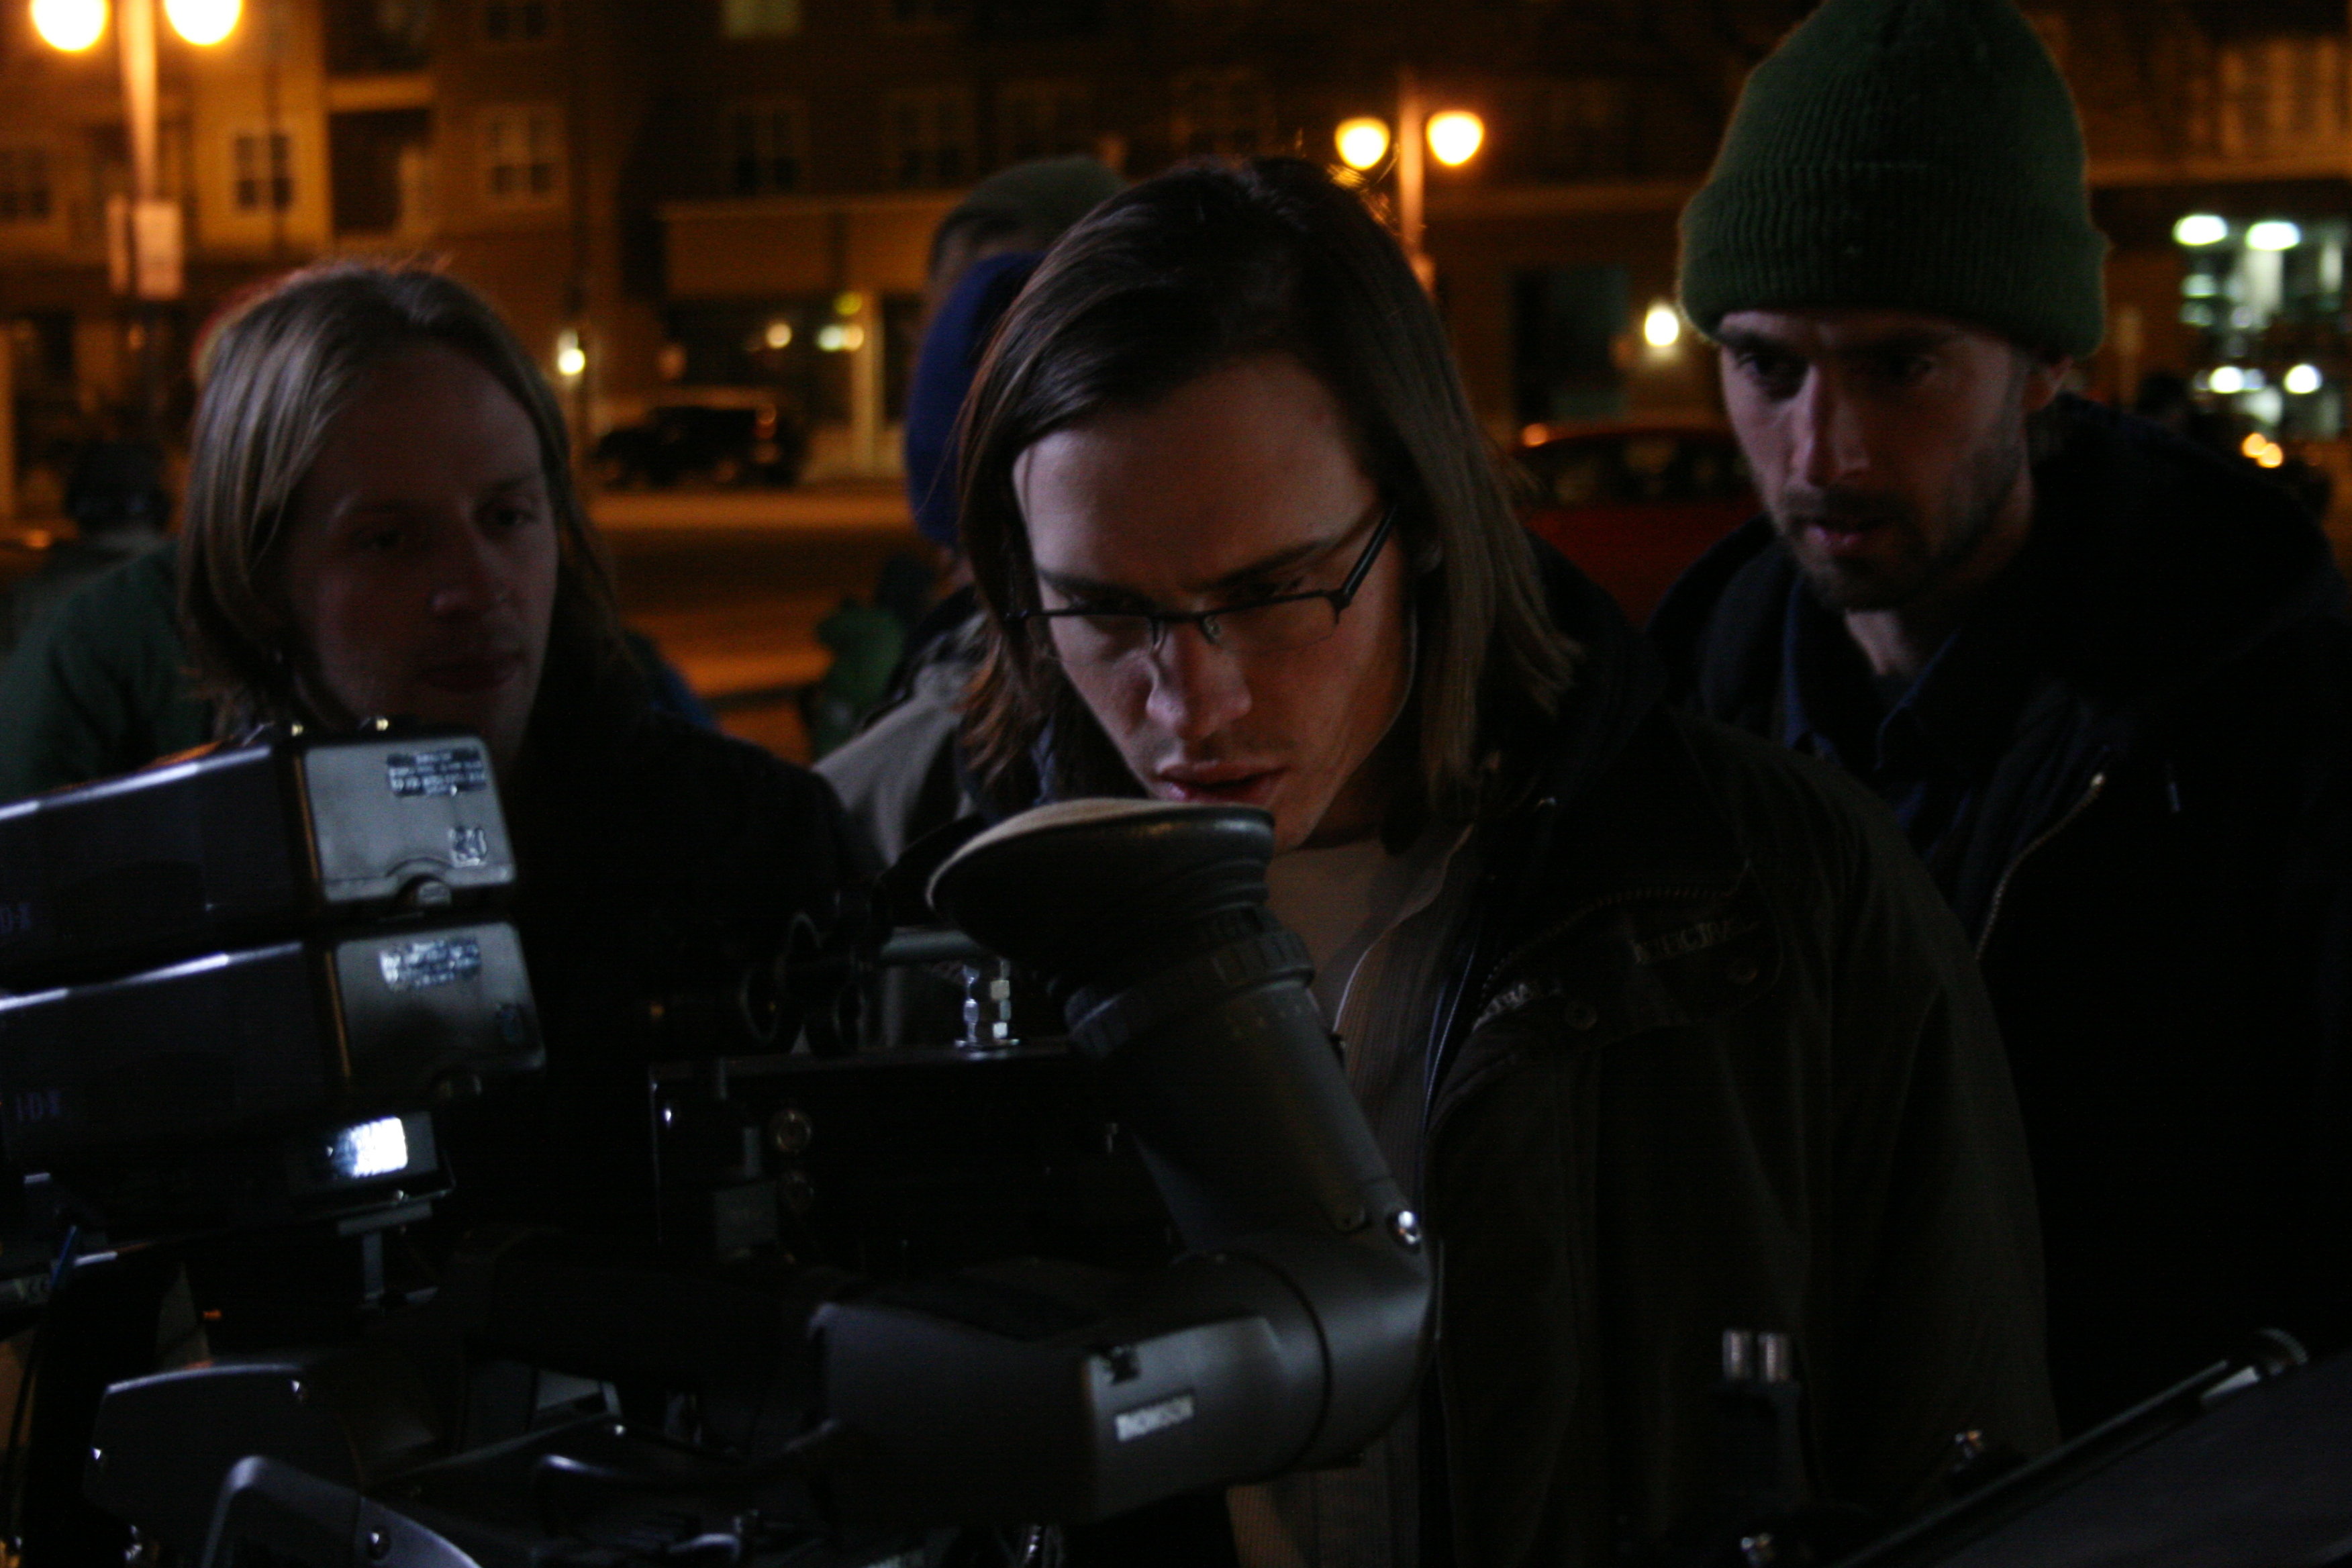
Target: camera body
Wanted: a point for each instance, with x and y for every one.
(817, 1358)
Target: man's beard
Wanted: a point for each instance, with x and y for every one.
(1924, 557)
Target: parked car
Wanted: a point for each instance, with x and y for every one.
(1636, 501)
(677, 443)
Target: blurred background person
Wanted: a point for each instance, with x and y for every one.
(904, 674)
(120, 511)
(381, 521)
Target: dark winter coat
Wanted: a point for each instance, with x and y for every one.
(1711, 1053)
(2150, 857)
(1713, 1056)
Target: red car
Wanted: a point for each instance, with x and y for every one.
(1634, 502)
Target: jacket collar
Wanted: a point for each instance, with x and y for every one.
(1619, 820)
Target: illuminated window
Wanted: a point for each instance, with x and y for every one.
(517, 21)
(261, 164)
(759, 18)
(927, 136)
(24, 195)
(766, 146)
(522, 156)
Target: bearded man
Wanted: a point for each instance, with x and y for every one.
(2100, 675)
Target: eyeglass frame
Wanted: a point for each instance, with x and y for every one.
(1203, 621)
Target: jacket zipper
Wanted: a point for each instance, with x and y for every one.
(2001, 888)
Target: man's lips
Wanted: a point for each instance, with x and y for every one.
(1220, 783)
(477, 672)
(1845, 536)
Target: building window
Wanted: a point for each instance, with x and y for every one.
(765, 148)
(262, 163)
(517, 21)
(522, 155)
(2277, 96)
(1580, 129)
(1044, 119)
(1225, 113)
(926, 135)
(759, 18)
(926, 13)
(25, 184)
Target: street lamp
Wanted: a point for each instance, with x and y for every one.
(204, 21)
(72, 25)
(1455, 136)
(1452, 137)
(1364, 141)
(145, 230)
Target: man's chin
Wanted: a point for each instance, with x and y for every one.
(1849, 585)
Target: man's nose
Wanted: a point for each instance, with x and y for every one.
(1825, 433)
(1197, 687)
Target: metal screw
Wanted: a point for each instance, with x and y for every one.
(1758, 1551)
(1405, 1226)
(379, 1546)
(797, 1192)
(790, 1132)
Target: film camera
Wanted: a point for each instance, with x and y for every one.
(248, 991)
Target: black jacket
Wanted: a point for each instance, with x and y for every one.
(1712, 1055)
(2154, 868)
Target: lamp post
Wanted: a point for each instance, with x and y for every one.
(1452, 136)
(145, 244)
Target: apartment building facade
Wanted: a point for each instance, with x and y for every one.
(698, 200)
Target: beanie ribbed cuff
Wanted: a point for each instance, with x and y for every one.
(1896, 236)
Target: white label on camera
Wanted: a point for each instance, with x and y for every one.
(436, 961)
(460, 770)
(1145, 1419)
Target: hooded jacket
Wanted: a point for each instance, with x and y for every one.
(1712, 1055)
(2151, 860)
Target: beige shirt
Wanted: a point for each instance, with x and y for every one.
(1380, 927)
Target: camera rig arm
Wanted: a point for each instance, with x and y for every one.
(1290, 1334)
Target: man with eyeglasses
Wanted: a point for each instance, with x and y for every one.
(1664, 1031)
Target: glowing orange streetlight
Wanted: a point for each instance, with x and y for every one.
(72, 25)
(1363, 142)
(1455, 137)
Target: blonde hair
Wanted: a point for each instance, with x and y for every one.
(278, 375)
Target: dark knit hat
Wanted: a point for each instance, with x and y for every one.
(1903, 155)
(1043, 196)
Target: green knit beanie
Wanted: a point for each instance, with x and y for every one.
(1903, 155)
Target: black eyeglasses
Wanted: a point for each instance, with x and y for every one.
(1275, 624)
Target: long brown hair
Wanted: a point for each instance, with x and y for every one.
(278, 375)
(1182, 276)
